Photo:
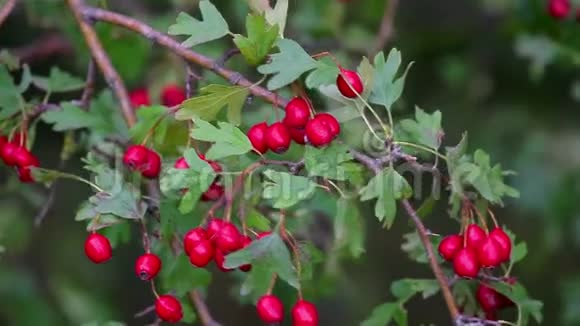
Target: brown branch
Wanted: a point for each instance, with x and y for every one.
(6, 10)
(89, 85)
(441, 279)
(103, 61)
(43, 48)
(202, 310)
(164, 40)
(386, 29)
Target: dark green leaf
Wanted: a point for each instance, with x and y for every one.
(519, 252)
(147, 118)
(257, 221)
(327, 161)
(212, 100)
(519, 295)
(212, 27)
(384, 313)
(286, 189)
(118, 233)
(405, 289)
(70, 117)
(386, 187)
(261, 38)
(287, 65)
(10, 98)
(181, 276)
(349, 228)
(58, 81)
(415, 249)
(425, 129)
(387, 89)
(325, 73)
(228, 140)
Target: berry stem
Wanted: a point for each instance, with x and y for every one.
(492, 217)
(154, 290)
(421, 147)
(272, 283)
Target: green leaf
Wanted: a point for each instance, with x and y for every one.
(11, 61)
(519, 252)
(324, 74)
(103, 221)
(406, 288)
(10, 98)
(228, 140)
(455, 157)
(287, 65)
(124, 201)
(415, 249)
(328, 161)
(383, 315)
(212, 27)
(286, 189)
(257, 282)
(386, 187)
(118, 234)
(147, 118)
(180, 276)
(425, 129)
(274, 16)
(58, 81)
(387, 89)
(518, 294)
(349, 228)
(70, 117)
(257, 221)
(106, 323)
(270, 252)
(212, 100)
(260, 40)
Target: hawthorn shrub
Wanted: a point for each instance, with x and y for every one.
(203, 186)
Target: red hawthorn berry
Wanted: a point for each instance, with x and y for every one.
(139, 97)
(192, 237)
(19, 139)
(25, 173)
(278, 137)
(181, 163)
(22, 157)
(347, 77)
(489, 253)
(297, 113)
(489, 299)
(152, 167)
(147, 266)
(304, 313)
(136, 156)
(168, 308)
(298, 135)
(7, 153)
(257, 136)
(3, 140)
(318, 133)
(98, 248)
(465, 263)
(219, 259)
(264, 234)
(504, 241)
(331, 123)
(201, 253)
(228, 239)
(450, 245)
(172, 95)
(213, 193)
(214, 226)
(246, 241)
(270, 309)
(475, 236)
(559, 9)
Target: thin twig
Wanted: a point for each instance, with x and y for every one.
(89, 85)
(227, 56)
(164, 40)
(191, 81)
(103, 61)
(202, 310)
(43, 48)
(373, 164)
(441, 279)
(386, 29)
(6, 10)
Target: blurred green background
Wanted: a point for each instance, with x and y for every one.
(503, 70)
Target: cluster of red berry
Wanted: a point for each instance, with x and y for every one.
(14, 153)
(561, 9)
(476, 249)
(215, 190)
(141, 158)
(299, 124)
(171, 95)
(271, 310)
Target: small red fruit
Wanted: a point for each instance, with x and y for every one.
(172, 95)
(304, 313)
(181, 163)
(98, 248)
(147, 266)
(270, 309)
(139, 97)
(246, 241)
(136, 156)
(3, 140)
(465, 263)
(264, 234)
(228, 239)
(7, 153)
(559, 9)
(220, 258)
(23, 157)
(318, 133)
(504, 242)
(489, 253)
(278, 137)
(201, 253)
(257, 136)
(213, 227)
(213, 193)
(298, 135)
(489, 299)
(347, 77)
(475, 236)
(25, 173)
(297, 113)
(168, 308)
(152, 167)
(331, 123)
(450, 245)
(192, 237)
